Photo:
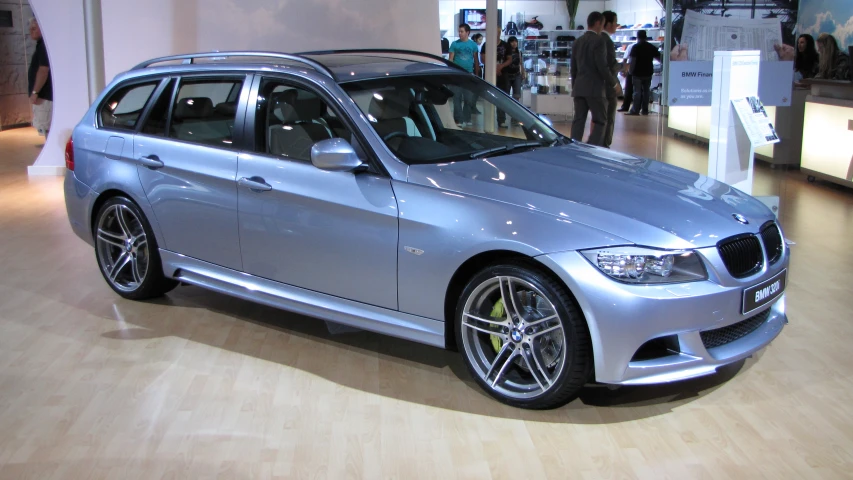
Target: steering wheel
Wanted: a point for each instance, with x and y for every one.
(394, 135)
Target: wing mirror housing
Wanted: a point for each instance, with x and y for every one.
(546, 120)
(335, 155)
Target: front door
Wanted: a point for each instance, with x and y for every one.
(188, 163)
(330, 232)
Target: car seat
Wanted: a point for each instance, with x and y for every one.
(389, 113)
(300, 126)
(194, 120)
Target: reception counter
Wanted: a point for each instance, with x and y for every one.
(816, 131)
(827, 151)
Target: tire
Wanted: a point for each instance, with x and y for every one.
(540, 359)
(127, 251)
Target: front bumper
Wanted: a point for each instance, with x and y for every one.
(623, 317)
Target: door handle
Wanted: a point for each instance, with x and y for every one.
(151, 161)
(256, 184)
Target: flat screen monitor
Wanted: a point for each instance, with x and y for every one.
(476, 18)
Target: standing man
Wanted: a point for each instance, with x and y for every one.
(643, 68)
(610, 49)
(39, 83)
(591, 78)
(464, 52)
(629, 80)
(501, 80)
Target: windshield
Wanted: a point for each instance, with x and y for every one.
(431, 118)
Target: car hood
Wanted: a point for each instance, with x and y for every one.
(643, 201)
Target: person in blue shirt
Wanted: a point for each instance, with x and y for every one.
(464, 52)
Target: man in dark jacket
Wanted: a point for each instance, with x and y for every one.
(642, 70)
(591, 78)
(610, 24)
(39, 83)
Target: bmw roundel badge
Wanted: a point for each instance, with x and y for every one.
(740, 218)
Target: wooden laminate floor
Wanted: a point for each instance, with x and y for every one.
(198, 385)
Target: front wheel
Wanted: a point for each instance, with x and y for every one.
(522, 337)
(127, 251)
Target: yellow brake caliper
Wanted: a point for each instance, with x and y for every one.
(498, 313)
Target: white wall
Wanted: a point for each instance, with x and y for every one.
(635, 11)
(136, 30)
(61, 23)
(181, 26)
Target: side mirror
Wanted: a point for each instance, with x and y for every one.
(546, 120)
(335, 155)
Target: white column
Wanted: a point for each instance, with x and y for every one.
(491, 53)
(666, 48)
(94, 47)
(732, 154)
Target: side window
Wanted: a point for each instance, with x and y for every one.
(122, 110)
(157, 119)
(289, 120)
(204, 112)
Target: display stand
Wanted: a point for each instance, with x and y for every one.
(732, 154)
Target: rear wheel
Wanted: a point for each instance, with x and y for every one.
(522, 337)
(127, 251)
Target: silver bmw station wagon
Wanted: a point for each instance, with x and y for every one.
(341, 185)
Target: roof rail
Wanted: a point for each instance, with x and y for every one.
(386, 51)
(190, 58)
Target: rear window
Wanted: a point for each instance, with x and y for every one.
(124, 107)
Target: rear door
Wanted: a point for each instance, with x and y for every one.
(187, 151)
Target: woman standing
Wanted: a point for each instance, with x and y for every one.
(478, 39)
(806, 61)
(834, 64)
(516, 74)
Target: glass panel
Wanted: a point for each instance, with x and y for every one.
(203, 114)
(157, 119)
(291, 119)
(124, 107)
(428, 119)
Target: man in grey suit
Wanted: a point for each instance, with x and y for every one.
(591, 78)
(609, 28)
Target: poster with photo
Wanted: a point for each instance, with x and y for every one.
(701, 28)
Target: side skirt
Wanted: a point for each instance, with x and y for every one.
(302, 301)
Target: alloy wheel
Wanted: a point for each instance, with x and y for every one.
(122, 248)
(513, 337)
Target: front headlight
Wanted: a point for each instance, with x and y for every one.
(646, 265)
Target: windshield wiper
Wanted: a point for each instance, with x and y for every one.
(504, 149)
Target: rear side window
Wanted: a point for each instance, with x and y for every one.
(204, 111)
(122, 110)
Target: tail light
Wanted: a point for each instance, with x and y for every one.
(69, 154)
